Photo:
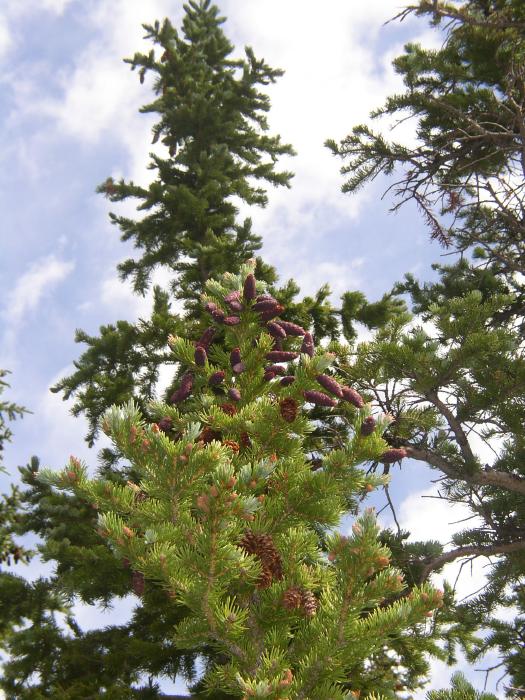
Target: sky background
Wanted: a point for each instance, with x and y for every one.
(69, 119)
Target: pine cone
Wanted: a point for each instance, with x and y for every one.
(288, 409)
(245, 440)
(249, 291)
(268, 376)
(394, 454)
(234, 446)
(275, 329)
(206, 338)
(352, 396)
(262, 546)
(265, 305)
(235, 357)
(293, 598)
(330, 385)
(318, 398)
(234, 394)
(218, 315)
(184, 390)
(271, 313)
(308, 346)
(200, 356)
(310, 604)
(138, 583)
(233, 299)
(207, 435)
(292, 328)
(368, 426)
(276, 369)
(281, 355)
(228, 408)
(217, 378)
(287, 380)
(231, 321)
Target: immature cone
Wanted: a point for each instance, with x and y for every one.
(239, 368)
(275, 329)
(368, 426)
(281, 355)
(184, 389)
(265, 305)
(249, 291)
(234, 394)
(288, 408)
(287, 380)
(218, 315)
(318, 398)
(352, 397)
(292, 328)
(394, 454)
(271, 313)
(217, 378)
(137, 583)
(268, 376)
(276, 369)
(233, 299)
(231, 321)
(245, 440)
(165, 424)
(206, 338)
(235, 357)
(200, 356)
(308, 346)
(330, 385)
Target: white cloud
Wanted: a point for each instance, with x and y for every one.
(5, 36)
(29, 290)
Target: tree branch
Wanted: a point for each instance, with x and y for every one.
(510, 482)
(473, 550)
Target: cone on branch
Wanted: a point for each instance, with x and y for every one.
(368, 426)
(288, 408)
(330, 385)
(318, 398)
(308, 346)
(250, 288)
(352, 396)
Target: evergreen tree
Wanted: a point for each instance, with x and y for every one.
(461, 690)
(461, 377)
(225, 512)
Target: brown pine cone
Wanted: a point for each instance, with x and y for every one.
(137, 583)
(293, 598)
(309, 603)
(234, 446)
(288, 409)
(207, 435)
(229, 408)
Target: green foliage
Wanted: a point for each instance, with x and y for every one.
(461, 690)
(224, 518)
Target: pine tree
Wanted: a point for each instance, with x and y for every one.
(225, 511)
(461, 375)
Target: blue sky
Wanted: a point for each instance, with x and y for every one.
(68, 111)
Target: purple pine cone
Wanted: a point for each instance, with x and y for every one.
(292, 328)
(281, 355)
(206, 337)
(276, 330)
(235, 356)
(249, 291)
(218, 315)
(287, 380)
(239, 368)
(272, 313)
(266, 297)
(330, 385)
(217, 378)
(265, 305)
(165, 424)
(368, 426)
(234, 394)
(231, 320)
(308, 346)
(276, 369)
(210, 306)
(319, 398)
(233, 299)
(394, 454)
(186, 383)
(200, 356)
(352, 397)
(268, 376)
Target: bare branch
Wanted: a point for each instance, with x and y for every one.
(471, 551)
